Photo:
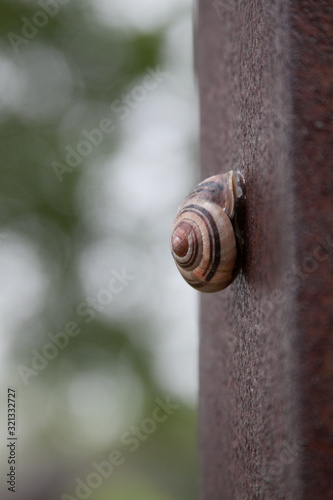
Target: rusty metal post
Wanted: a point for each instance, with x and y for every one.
(266, 350)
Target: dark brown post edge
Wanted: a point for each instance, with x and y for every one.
(266, 350)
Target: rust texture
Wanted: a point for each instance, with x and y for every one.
(266, 350)
(312, 86)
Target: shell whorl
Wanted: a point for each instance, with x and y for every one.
(203, 241)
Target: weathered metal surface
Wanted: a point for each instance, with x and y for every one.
(266, 354)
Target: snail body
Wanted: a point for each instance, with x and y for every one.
(204, 244)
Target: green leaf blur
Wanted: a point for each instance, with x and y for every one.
(58, 83)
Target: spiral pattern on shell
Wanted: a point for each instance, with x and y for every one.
(203, 241)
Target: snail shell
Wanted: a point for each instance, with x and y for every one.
(203, 240)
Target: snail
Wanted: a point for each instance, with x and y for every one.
(205, 241)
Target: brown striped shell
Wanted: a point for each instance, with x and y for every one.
(203, 240)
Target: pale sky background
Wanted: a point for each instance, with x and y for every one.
(152, 170)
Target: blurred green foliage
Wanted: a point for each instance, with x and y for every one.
(60, 82)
